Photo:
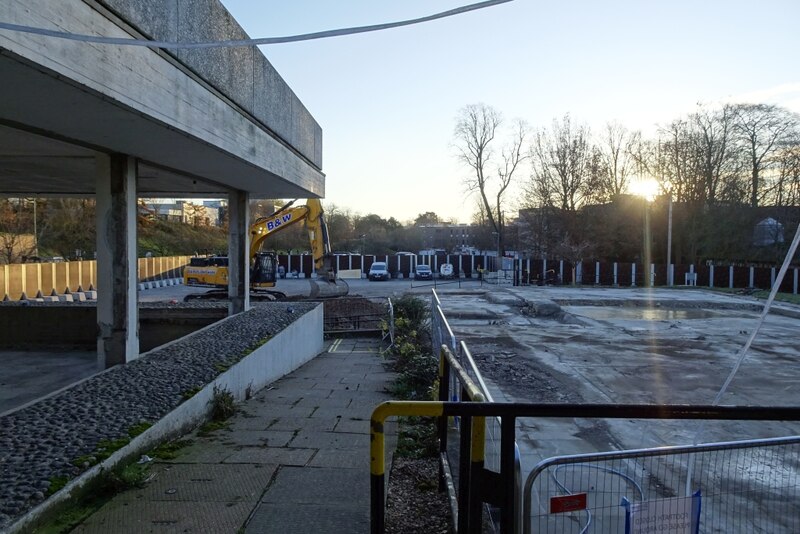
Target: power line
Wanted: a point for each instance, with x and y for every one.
(247, 42)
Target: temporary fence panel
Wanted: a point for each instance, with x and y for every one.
(745, 486)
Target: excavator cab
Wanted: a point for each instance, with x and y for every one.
(263, 270)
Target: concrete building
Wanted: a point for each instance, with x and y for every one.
(119, 122)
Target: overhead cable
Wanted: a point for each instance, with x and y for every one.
(246, 42)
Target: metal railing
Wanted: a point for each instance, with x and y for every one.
(442, 334)
(355, 315)
(499, 489)
(742, 486)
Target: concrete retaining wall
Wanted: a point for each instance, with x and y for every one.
(285, 352)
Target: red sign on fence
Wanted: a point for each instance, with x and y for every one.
(568, 503)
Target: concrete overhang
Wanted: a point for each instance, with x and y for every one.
(64, 102)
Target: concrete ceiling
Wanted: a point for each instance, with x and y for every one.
(51, 128)
(32, 164)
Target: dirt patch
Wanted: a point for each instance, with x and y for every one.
(414, 503)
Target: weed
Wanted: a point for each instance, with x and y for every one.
(206, 429)
(139, 428)
(189, 393)
(223, 366)
(223, 405)
(170, 450)
(127, 477)
(56, 483)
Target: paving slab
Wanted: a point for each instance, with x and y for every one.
(278, 466)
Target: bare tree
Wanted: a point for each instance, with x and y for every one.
(762, 129)
(617, 149)
(16, 231)
(475, 135)
(562, 165)
(712, 136)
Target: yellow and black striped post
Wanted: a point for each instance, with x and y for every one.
(377, 451)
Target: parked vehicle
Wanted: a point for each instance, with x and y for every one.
(379, 271)
(423, 272)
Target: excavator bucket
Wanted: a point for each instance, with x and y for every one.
(328, 284)
(322, 288)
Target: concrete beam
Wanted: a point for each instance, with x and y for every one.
(117, 306)
(238, 252)
(140, 102)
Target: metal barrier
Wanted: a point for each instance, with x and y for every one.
(745, 486)
(442, 334)
(355, 315)
(468, 514)
(499, 488)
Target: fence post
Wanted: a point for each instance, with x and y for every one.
(710, 276)
(508, 510)
(633, 275)
(472, 265)
(652, 275)
(561, 270)
(752, 276)
(66, 273)
(771, 277)
(794, 289)
(597, 273)
(616, 282)
(730, 277)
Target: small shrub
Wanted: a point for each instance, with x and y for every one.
(223, 405)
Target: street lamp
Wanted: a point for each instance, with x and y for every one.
(670, 272)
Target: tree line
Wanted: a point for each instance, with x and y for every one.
(723, 167)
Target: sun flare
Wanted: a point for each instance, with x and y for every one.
(646, 188)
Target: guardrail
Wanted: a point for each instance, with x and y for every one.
(499, 488)
(743, 486)
(442, 334)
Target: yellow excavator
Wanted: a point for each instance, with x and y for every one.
(263, 264)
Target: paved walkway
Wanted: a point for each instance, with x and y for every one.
(295, 458)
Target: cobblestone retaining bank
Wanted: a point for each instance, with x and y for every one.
(41, 442)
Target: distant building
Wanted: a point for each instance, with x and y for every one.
(207, 213)
(449, 237)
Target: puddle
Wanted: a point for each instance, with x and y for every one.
(642, 314)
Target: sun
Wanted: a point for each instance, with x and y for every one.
(645, 187)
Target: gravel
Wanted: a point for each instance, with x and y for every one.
(40, 442)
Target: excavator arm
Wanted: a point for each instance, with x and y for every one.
(318, 236)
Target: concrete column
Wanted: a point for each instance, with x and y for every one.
(238, 252)
(117, 310)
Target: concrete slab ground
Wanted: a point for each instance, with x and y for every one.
(295, 458)
(27, 375)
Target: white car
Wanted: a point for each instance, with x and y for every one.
(379, 271)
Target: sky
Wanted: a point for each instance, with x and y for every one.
(387, 101)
